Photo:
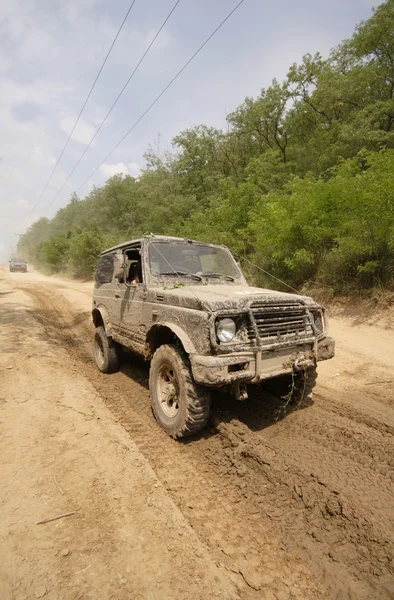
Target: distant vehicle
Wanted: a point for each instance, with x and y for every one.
(186, 306)
(18, 264)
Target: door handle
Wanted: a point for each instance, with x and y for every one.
(117, 295)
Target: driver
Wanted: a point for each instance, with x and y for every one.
(191, 263)
(135, 273)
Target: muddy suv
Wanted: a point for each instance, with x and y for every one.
(186, 307)
(18, 265)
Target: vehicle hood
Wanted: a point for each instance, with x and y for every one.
(224, 297)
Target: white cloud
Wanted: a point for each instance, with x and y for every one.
(40, 92)
(164, 40)
(44, 158)
(51, 51)
(73, 12)
(35, 44)
(5, 64)
(134, 169)
(83, 132)
(109, 170)
(10, 173)
(48, 59)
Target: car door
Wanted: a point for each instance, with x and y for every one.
(105, 287)
(132, 297)
(131, 310)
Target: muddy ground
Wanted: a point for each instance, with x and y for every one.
(260, 506)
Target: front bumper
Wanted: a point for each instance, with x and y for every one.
(253, 367)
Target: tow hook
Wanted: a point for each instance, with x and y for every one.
(300, 364)
(239, 391)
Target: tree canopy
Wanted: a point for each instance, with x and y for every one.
(301, 182)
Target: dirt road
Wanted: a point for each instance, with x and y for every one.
(258, 507)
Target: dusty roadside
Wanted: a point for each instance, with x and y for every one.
(283, 509)
(62, 451)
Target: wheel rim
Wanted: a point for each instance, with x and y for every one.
(99, 347)
(168, 391)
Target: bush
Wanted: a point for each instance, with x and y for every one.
(54, 253)
(84, 250)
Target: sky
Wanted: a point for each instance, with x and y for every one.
(51, 51)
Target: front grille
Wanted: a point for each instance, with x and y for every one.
(280, 322)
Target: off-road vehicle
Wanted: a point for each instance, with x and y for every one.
(186, 306)
(18, 264)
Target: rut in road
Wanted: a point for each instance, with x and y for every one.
(252, 499)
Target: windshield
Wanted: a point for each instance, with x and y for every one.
(195, 260)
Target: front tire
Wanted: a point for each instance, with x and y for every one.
(304, 382)
(106, 352)
(180, 406)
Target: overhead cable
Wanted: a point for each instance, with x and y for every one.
(267, 273)
(84, 104)
(115, 102)
(163, 92)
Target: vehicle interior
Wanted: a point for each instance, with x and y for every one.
(133, 263)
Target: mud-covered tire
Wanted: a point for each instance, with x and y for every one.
(106, 352)
(179, 405)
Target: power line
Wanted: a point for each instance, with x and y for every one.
(84, 104)
(115, 102)
(266, 273)
(163, 91)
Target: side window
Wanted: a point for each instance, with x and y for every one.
(133, 265)
(105, 269)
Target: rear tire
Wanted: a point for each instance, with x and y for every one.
(106, 352)
(180, 406)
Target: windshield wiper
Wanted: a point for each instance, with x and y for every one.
(183, 274)
(219, 275)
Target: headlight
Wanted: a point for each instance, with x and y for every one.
(318, 319)
(225, 330)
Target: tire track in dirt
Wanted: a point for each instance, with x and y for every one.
(246, 485)
(219, 513)
(353, 413)
(366, 456)
(376, 451)
(338, 538)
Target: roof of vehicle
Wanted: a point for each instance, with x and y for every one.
(156, 238)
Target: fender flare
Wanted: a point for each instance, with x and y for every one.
(103, 312)
(178, 332)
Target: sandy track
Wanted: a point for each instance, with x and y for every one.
(297, 508)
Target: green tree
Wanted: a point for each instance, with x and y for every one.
(84, 249)
(54, 252)
(300, 181)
